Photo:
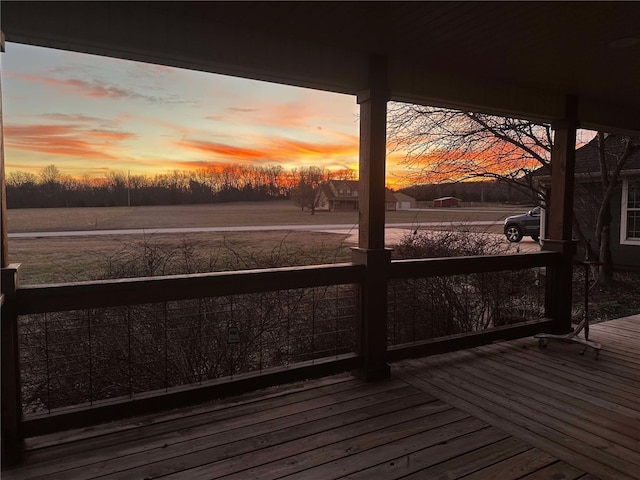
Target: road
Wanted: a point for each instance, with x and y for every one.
(393, 232)
(245, 228)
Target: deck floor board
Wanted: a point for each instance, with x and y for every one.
(590, 419)
(508, 410)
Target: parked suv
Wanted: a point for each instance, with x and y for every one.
(525, 225)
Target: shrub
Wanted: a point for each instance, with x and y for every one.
(431, 307)
(69, 358)
(449, 243)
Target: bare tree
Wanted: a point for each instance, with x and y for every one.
(613, 153)
(347, 174)
(19, 179)
(450, 145)
(306, 192)
(445, 145)
(50, 175)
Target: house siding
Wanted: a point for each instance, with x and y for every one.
(624, 256)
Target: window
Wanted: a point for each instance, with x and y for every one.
(630, 212)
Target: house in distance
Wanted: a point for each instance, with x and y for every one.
(342, 195)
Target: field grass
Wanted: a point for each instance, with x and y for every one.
(227, 214)
(60, 259)
(73, 259)
(70, 259)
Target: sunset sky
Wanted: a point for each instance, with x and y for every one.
(92, 115)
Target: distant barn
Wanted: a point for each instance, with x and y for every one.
(404, 201)
(447, 202)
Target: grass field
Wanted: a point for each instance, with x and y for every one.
(227, 214)
(60, 259)
(70, 259)
(67, 259)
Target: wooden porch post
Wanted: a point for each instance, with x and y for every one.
(371, 251)
(4, 245)
(563, 156)
(11, 408)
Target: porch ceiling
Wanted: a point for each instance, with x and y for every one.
(505, 57)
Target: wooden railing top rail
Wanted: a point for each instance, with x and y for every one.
(433, 267)
(134, 291)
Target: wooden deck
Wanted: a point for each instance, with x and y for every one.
(503, 411)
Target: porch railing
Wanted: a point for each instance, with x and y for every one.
(115, 347)
(443, 304)
(85, 352)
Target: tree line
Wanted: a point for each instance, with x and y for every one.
(493, 191)
(227, 183)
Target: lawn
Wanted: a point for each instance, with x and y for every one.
(60, 259)
(225, 214)
(70, 259)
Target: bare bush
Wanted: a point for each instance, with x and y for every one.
(151, 257)
(77, 357)
(424, 308)
(450, 243)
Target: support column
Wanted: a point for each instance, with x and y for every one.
(371, 216)
(4, 244)
(560, 211)
(11, 406)
(373, 151)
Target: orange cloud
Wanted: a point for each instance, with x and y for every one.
(278, 150)
(223, 150)
(318, 150)
(311, 111)
(65, 140)
(455, 165)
